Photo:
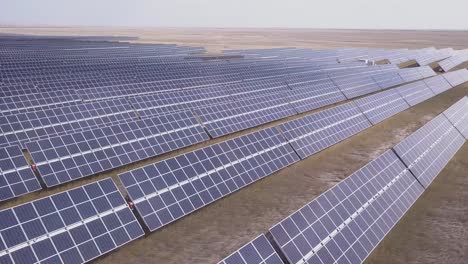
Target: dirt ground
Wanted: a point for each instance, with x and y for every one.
(433, 231)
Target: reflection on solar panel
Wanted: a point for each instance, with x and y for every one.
(25, 127)
(430, 148)
(381, 106)
(170, 189)
(312, 95)
(71, 156)
(344, 224)
(258, 251)
(437, 84)
(16, 176)
(223, 119)
(70, 227)
(356, 86)
(415, 93)
(315, 132)
(457, 114)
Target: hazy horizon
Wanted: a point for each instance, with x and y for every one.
(331, 14)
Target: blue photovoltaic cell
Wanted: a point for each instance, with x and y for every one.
(354, 86)
(16, 176)
(255, 88)
(71, 156)
(430, 148)
(257, 251)
(415, 93)
(318, 131)
(312, 95)
(172, 188)
(31, 102)
(344, 224)
(223, 119)
(381, 106)
(438, 84)
(457, 114)
(75, 226)
(25, 127)
(176, 101)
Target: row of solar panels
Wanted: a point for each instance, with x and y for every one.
(134, 76)
(151, 73)
(452, 62)
(345, 224)
(58, 98)
(422, 56)
(64, 158)
(27, 119)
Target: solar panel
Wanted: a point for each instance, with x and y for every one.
(344, 224)
(176, 101)
(415, 93)
(356, 86)
(430, 148)
(257, 88)
(16, 176)
(170, 189)
(223, 119)
(455, 78)
(257, 251)
(410, 74)
(388, 79)
(24, 127)
(437, 84)
(381, 106)
(457, 114)
(75, 226)
(71, 156)
(31, 102)
(314, 95)
(315, 132)
(426, 72)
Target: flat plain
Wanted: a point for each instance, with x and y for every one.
(434, 229)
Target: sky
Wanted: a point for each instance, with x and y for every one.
(363, 14)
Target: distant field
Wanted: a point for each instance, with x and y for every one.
(218, 39)
(433, 231)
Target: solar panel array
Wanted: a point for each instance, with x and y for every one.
(80, 108)
(453, 61)
(313, 133)
(347, 222)
(457, 77)
(170, 189)
(16, 176)
(258, 251)
(428, 150)
(75, 226)
(344, 224)
(458, 116)
(69, 157)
